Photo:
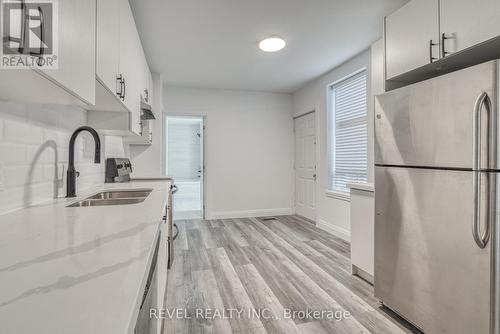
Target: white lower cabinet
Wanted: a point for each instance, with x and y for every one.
(466, 23)
(362, 230)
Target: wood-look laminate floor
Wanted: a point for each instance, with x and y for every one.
(253, 275)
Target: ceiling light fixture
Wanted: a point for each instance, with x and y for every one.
(272, 44)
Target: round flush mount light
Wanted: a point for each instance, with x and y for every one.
(272, 44)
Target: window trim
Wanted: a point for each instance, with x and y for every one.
(332, 193)
(343, 196)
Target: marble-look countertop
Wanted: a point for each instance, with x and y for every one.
(77, 270)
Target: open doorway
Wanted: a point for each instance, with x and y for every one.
(184, 162)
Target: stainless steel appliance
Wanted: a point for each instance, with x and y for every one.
(436, 226)
(171, 226)
(118, 170)
(146, 324)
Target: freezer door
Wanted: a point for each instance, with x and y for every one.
(431, 123)
(428, 267)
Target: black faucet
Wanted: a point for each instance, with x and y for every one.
(72, 174)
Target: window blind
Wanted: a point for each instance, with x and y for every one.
(348, 133)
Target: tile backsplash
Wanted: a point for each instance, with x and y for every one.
(34, 143)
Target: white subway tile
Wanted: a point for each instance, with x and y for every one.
(17, 132)
(34, 144)
(61, 138)
(21, 175)
(45, 153)
(42, 115)
(11, 199)
(12, 153)
(12, 110)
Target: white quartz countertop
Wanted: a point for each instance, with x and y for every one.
(77, 270)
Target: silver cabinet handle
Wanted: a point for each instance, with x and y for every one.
(444, 38)
(119, 86)
(481, 239)
(176, 232)
(431, 53)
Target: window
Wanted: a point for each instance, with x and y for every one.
(347, 132)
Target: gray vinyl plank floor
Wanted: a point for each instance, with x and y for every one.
(255, 275)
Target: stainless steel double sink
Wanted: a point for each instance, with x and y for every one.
(114, 197)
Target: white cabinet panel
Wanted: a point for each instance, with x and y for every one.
(467, 23)
(408, 34)
(362, 230)
(108, 42)
(76, 33)
(147, 92)
(74, 80)
(131, 64)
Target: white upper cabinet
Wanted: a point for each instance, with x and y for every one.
(131, 65)
(409, 33)
(77, 24)
(147, 82)
(73, 82)
(122, 70)
(466, 23)
(425, 31)
(108, 43)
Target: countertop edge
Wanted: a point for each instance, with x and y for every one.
(364, 186)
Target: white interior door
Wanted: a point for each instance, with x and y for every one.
(305, 166)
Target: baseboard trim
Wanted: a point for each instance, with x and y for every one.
(362, 274)
(335, 230)
(248, 213)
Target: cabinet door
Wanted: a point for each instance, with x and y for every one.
(76, 34)
(408, 34)
(466, 23)
(108, 42)
(148, 83)
(131, 64)
(150, 88)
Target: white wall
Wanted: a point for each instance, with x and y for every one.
(333, 213)
(34, 142)
(248, 149)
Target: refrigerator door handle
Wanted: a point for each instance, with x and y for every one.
(481, 239)
(476, 131)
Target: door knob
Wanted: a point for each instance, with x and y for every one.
(314, 176)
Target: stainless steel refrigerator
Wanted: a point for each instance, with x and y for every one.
(436, 202)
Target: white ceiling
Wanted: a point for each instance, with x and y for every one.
(213, 43)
